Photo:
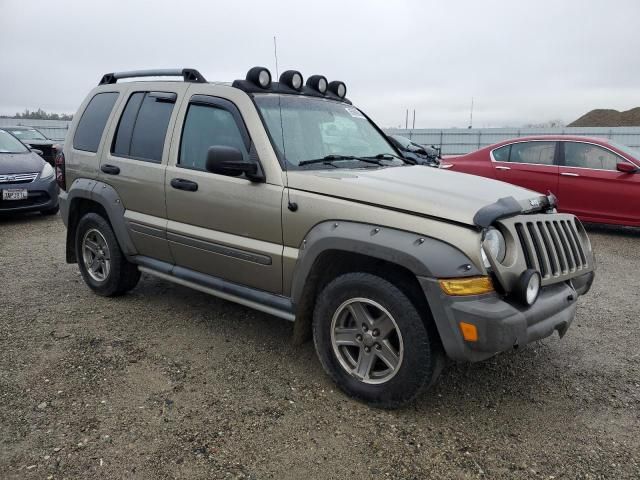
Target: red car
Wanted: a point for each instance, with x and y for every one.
(593, 178)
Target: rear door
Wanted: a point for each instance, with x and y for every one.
(532, 165)
(592, 187)
(135, 160)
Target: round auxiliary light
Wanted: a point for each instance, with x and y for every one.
(292, 79)
(259, 76)
(318, 83)
(528, 287)
(338, 88)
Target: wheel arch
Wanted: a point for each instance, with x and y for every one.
(86, 196)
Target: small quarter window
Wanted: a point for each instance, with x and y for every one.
(502, 154)
(143, 126)
(204, 127)
(94, 118)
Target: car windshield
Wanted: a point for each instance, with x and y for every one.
(628, 150)
(404, 141)
(10, 144)
(316, 129)
(28, 134)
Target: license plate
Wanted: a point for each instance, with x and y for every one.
(15, 194)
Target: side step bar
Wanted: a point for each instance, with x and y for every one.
(270, 303)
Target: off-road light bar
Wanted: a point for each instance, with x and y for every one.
(318, 83)
(292, 79)
(259, 76)
(338, 88)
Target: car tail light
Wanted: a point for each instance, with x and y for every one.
(60, 171)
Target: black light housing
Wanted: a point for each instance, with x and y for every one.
(259, 76)
(292, 79)
(318, 83)
(338, 88)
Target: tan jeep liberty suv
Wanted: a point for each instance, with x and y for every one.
(284, 197)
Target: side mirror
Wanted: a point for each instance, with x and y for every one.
(228, 161)
(39, 152)
(626, 167)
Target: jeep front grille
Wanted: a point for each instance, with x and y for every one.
(552, 246)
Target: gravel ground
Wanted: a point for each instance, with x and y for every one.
(170, 383)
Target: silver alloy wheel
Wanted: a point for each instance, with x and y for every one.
(366, 340)
(96, 255)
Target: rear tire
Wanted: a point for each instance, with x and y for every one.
(373, 342)
(103, 266)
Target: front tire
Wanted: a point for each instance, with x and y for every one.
(373, 342)
(103, 266)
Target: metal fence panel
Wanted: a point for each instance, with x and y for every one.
(53, 129)
(458, 141)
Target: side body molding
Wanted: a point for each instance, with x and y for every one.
(423, 256)
(107, 197)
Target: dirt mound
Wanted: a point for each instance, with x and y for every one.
(608, 118)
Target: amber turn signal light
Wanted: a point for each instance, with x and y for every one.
(466, 286)
(469, 331)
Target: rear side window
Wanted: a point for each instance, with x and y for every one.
(93, 120)
(143, 126)
(541, 153)
(204, 127)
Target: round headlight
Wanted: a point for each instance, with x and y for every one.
(338, 88)
(493, 245)
(317, 83)
(292, 79)
(259, 76)
(529, 285)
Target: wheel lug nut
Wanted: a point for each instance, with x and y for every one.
(375, 332)
(359, 337)
(378, 346)
(367, 349)
(364, 327)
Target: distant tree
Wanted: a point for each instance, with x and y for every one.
(548, 124)
(42, 115)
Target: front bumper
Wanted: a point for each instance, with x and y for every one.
(43, 195)
(501, 324)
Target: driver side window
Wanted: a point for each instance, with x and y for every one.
(205, 126)
(587, 155)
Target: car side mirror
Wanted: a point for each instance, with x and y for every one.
(39, 152)
(626, 167)
(229, 161)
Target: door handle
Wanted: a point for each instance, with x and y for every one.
(567, 174)
(498, 167)
(182, 184)
(110, 169)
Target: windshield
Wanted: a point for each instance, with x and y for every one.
(628, 150)
(28, 134)
(316, 128)
(10, 144)
(405, 142)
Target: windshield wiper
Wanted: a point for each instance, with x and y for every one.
(329, 159)
(389, 156)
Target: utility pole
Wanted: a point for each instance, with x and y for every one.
(406, 119)
(471, 115)
(414, 119)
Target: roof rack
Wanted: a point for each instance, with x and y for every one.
(188, 74)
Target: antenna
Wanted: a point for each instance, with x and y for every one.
(292, 206)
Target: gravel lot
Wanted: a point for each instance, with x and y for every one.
(171, 383)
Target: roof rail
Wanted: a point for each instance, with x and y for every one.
(188, 74)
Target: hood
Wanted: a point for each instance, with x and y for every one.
(452, 196)
(40, 143)
(20, 163)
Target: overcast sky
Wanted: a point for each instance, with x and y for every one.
(523, 62)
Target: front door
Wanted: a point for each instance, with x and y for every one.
(228, 227)
(592, 188)
(530, 165)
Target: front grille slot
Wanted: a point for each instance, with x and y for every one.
(552, 247)
(18, 177)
